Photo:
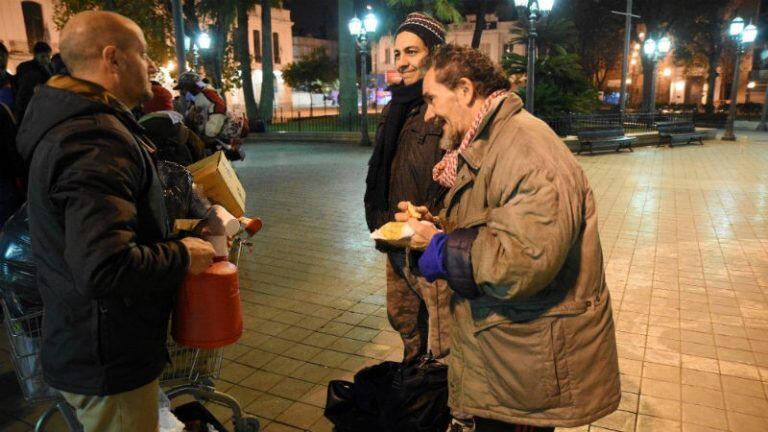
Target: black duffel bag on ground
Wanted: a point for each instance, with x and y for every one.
(391, 397)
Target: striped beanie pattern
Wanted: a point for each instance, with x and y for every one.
(431, 31)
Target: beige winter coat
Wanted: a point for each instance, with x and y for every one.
(538, 346)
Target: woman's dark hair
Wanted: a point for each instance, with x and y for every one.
(453, 62)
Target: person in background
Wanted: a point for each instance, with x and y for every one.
(165, 127)
(7, 81)
(400, 169)
(57, 65)
(207, 111)
(108, 270)
(208, 116)
(31, 74)
(534, 344)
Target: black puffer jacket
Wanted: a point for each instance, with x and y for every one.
(106, 271)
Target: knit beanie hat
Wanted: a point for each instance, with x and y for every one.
(431, 31)
(162, 100)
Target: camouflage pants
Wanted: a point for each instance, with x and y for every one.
(420, 312)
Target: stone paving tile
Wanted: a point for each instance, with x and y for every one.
(685, 240)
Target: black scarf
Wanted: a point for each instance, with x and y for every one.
(404, 99)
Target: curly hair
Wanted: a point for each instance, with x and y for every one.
(453, 62)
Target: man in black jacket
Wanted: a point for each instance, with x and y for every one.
(107, 270)
(31, 74)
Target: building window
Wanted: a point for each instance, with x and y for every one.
(387, 55)
(509, 48)
(276, 47)
(257, 45)
(33, 22)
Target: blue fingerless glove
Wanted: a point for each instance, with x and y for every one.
(431, 263)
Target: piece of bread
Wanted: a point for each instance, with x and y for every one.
(392, 230)
(412, 212)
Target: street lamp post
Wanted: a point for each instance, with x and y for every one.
(360, 30)
(533, 9)
(178, 27)
(743, 36)
(203, 42)
(763, 125)
(654, 51)
(628, 15)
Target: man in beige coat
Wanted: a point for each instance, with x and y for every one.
(533, 339)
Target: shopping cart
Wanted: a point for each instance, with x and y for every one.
(191, 370)
(24, 338)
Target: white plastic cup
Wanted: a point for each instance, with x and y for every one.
(221, 222)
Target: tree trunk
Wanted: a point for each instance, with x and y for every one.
(709, 105)
(266, 101)
(347, 76)
(212, 59)
(482, 5)
(251, 108)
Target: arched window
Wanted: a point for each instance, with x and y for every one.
(33, 22)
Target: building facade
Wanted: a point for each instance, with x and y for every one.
(24, 23)
(679, 84)
(306, 45)
(282, 54)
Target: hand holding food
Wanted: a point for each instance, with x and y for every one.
(422, 234)
(410, 211)
(413, 233)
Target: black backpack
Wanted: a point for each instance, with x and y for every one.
(391, 397)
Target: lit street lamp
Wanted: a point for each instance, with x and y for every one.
(654, 51)
(533, 9)
(743, 36)
(202, 41)
(360, 30)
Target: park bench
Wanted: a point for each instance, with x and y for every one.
(677, 131)
(604, 138)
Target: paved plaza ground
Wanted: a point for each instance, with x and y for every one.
(685, 236)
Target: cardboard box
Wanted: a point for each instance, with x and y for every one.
(219, 182)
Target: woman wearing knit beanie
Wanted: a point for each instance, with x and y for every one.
(400, 169)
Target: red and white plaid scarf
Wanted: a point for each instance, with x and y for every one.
(445, 170)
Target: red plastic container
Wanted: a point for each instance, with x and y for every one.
(207, 313)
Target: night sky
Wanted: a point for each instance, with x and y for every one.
(319, 17)
(315, 17)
